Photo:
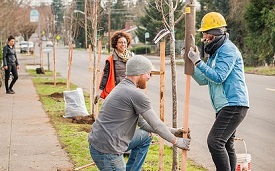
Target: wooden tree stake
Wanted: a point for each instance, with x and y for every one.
(162, 83)
(190, 16)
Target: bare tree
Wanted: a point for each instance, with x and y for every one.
(6, 15)
(73, 32)
(15, 21)
(93, 11)
(169, 24)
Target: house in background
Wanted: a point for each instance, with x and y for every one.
(131, 30)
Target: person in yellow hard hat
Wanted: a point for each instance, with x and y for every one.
(223, 72)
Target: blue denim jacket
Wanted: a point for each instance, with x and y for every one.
(224, 74)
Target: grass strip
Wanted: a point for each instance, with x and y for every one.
(73, 136)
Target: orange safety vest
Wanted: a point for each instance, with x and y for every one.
(111, 79)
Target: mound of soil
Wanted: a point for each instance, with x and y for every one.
(56, 95)
(83, 119)
(57, 83)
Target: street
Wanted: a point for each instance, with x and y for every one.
(257, 129)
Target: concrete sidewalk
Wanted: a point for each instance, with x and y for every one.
(28, 142)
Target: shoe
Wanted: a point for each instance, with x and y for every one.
(9, 92)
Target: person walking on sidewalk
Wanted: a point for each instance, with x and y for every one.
(114, 70)
(115, 129)
(10, 64)
(224, 74)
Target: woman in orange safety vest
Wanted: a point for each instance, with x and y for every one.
(115, 66)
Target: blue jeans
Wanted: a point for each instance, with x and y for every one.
(115, 162)
(221, 137)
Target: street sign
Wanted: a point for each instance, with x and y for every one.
(146, 35)
(34, 16)
(47, 50)
(57, 37)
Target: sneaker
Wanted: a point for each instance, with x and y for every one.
(9, 92)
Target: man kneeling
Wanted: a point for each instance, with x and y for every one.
(115, 130)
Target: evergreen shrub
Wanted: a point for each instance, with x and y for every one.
(141, 49)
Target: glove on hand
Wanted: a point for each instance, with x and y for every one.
(97, 96)
(178, 132)
(194, 55)
(183, 143)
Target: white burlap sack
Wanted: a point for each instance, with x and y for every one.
(74, 103)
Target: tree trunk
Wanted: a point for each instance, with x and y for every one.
(174, 80)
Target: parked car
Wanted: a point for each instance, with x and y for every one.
(26, 47)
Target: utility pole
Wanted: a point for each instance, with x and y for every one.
(190, 16)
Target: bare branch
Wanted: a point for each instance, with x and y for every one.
(182, 14)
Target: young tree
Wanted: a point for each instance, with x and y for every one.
(165, 14)
(169, 23)
(93, 10)
(15, 19)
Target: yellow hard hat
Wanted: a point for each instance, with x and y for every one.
(212, 20)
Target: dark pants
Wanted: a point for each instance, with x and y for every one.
(13, 69)
(221, 137)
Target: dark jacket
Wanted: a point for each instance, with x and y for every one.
(9, 56)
